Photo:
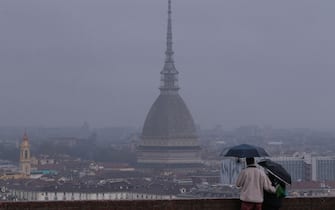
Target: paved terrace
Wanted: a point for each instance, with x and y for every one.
(320, 203)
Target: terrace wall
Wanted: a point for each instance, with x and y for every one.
(315, 203)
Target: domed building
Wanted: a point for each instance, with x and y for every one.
(169, 135)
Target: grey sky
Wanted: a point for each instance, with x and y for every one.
(64, 62)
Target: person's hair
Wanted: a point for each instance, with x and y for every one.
(250, 160)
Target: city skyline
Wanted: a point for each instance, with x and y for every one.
(262, 63)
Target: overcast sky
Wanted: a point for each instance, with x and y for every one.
(63, 62)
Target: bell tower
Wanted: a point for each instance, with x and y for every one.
(25, 164)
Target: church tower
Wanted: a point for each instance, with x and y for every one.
(169, 136)
(25, 165)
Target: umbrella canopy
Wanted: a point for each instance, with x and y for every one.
(246, 151)
(277, 170)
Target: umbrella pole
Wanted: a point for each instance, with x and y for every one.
(277, 177)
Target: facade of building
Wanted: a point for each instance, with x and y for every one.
(308, 168)
(25, 162)
(55, 188)
(230, 169)
(298, 167)
(26, 195)
(323, 168)
(169, 136)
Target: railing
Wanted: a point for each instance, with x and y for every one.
(315, 203)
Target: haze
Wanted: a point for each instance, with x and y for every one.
(243, 62)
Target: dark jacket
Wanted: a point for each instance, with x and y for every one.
(271, 200)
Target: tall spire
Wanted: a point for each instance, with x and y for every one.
(169, 51)
(169, 74)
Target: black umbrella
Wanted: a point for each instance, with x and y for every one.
(277, 170)
(245, 151)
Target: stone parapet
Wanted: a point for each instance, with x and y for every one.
(315, 203)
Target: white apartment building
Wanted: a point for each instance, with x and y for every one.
(323, 168)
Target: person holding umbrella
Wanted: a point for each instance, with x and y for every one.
(279, 177)
(273, 201)
(253, 182)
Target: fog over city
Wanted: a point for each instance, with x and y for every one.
(258, 62)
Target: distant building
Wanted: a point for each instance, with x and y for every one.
(107, 189)
(66, 141)
(25, 164)
(230, 169)
(323, 168)
(298, 166)
(308, 168)
(169, 136)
